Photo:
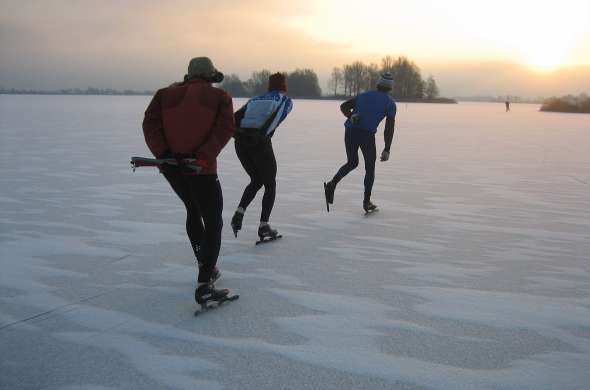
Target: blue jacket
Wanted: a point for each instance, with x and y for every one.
(369, 109)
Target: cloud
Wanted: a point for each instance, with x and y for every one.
(145, 44)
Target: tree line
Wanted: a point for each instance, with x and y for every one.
(302, 83)
(348, 80)
(352, 79)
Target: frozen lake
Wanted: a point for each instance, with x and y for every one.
(475, 273)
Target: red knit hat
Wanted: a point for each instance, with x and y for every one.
(277, 82)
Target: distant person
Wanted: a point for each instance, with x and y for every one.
(193, 119)
(364, 113)
(257, 121)
(507, 105)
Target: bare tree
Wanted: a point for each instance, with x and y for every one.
(408, 84)
(358, 74)
(408, 81)
(372, 76)
(335, 79)
(430, 88)
(234, 86)
(387, 64)
(258, 83)
(348, 76)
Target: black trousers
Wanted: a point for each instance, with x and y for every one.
(202, 197)
(260, 164)
(353, 140)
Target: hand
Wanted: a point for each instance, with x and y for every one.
(165, 155)
(195, 165)
(385, 155)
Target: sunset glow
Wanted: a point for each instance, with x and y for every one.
(107, 43)
(542, 35)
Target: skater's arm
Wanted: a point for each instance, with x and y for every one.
(390, 112)
(153, 127)
(288, 106)
(347, 107)
(279, 116)
(223, 129)
(388, 133)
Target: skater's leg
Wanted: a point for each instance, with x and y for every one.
(369, 150)
(267, 165)
(351, 143)
(247, 156)
(207, 190)
(194, 225)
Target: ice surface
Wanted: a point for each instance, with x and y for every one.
(474, 274)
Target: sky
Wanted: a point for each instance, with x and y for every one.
(471, 47)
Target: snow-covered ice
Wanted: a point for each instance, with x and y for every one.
(474, 274)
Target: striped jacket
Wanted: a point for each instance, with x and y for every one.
(255, 113)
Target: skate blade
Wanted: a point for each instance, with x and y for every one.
(326, 196)
(265, 240)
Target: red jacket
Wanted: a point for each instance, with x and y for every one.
(193, 117)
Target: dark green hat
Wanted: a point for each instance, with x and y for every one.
(202, 67)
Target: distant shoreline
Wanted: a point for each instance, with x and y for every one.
(343, 98)
(79, 92)
(151, 93)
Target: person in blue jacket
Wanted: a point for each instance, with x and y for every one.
(363, 115)
(256, 123)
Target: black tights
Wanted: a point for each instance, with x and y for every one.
(203, 200)
(260, 164)
(355, 139)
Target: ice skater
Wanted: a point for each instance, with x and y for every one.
(507, 103)
(363, 115)
(257, 121)
(194, 120)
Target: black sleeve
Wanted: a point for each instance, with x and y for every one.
(388, 134)
(239, 115)
(347, 107)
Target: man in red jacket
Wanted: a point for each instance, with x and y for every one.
(195, 120)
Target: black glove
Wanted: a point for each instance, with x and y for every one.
(181, 156)
(166, 154)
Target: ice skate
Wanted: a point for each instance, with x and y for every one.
(369, 207)
(215, 275)
(207, 297)
(236, 222)
(207, 294)
(266, 234)
(329, 189)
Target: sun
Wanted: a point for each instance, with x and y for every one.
(546, 52)
(545, 61)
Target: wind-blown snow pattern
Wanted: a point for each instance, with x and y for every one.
(474, 274)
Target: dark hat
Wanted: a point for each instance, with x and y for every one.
(202, 67)
(277, 82)
(385, 81)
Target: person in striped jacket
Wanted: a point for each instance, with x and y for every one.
(256, 123)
